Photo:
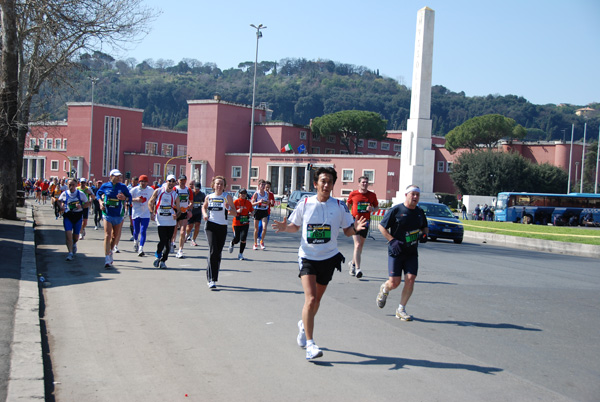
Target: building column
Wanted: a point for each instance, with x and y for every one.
(203, 173)
(294, 178)
(280, 181)
(307, 179)
(38, 168)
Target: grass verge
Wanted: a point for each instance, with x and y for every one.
(557, 233)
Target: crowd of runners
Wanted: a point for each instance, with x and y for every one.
(178, 208)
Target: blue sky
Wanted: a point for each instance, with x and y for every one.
(546, 51)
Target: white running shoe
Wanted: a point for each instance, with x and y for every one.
(358, 273)
(135, 246)
(212, 285)
(301, 335)
(382, 296)
(255, 247)
(313, 351)
(240, 256)
(403, 315)
(116, 249)
(107, 262)
(70, 257)
(230, 248)
(352, 271)
(262, 245)
(141, 251)
(95, 227)
(179, 254)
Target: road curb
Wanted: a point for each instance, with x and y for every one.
(547, 246)
(26, 378)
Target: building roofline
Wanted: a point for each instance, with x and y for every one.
(103, 105)
(163, 129)
(283, 154)
(220, 101)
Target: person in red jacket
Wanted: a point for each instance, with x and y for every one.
(361, 203)
(241, 223)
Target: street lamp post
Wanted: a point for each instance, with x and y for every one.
(94, 81)
(258, 36)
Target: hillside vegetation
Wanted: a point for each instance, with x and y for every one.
(297, 90)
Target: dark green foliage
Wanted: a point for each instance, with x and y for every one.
(483, 130)
(486, 172)
(297, 90)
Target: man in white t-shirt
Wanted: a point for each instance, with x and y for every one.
(320, 217)
(140, 214)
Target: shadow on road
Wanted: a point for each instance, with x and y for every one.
(478, 324)
(398, 363)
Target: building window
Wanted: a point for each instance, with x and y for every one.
(331, 139)
(167, 149)
(343, 152)
(315, 150)
(397, 147)
(152, 148)
(236, 187)
(361, 143)
(156, 170)
(181, 170)
(302, 135)
(57, 143)
(170, 169)
(112, 141)
(372, 144)
(448, 167)
(236, 172)
(316, 137)
(346, 192)
(181, 150)
(32, 142)
(49, 144)
(348, 175)
(440, 166)
(370, 173)
(65, 166)
(64, 144)
(254, 173)
(385, 146)
(54, 166)
(329, 151)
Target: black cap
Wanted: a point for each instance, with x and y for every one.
(183, 177)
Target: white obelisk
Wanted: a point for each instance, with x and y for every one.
(418, 159)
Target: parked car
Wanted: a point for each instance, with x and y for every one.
(250, 194)
(442, 223)
(295, 198)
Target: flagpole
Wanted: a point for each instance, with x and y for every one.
(570, 158)
(582, 158)
(597, 163)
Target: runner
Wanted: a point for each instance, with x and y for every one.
(59, 188)
(140, 213)
(86, 210)
(403, 226)
(241, 223)
(260, 203)
(163, 206)
(186, 199)
(361, 202)
(196, 219)
(271, 204)
(213, 212)
(71, 203)
(320, 217)
(97, 210)
(44, 186)
(112, 196)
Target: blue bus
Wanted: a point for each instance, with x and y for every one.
(572, 209)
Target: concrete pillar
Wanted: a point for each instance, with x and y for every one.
(280, 181)
(417, 158)
(294, 178)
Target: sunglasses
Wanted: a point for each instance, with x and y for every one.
(172, 181)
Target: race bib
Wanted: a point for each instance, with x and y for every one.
(183, 197)
(112, 202)
(362, 207)
(165, 210)
(244, 219)
(411, 238)
(215, 204)
(318, 234)
(197, 205)
(72, 205)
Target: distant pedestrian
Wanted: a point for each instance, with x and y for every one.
(463, 209)
(241, 223)
(196, 219)
(71, 203)
(140, 213)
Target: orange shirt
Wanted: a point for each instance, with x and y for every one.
(243, 217)
(358, 202)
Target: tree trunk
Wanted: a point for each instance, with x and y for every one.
(9, 83)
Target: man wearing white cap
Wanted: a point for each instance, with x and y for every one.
(403, 226)
(112, 196)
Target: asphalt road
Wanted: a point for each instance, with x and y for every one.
(491, 323)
